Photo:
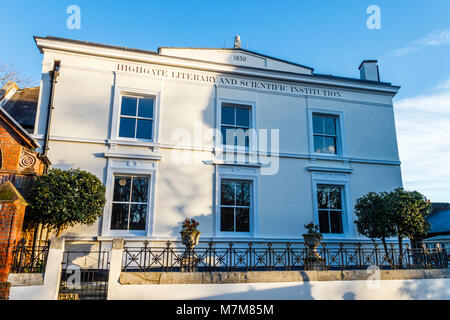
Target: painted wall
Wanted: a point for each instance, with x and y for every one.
(426, 289)
(84, 125)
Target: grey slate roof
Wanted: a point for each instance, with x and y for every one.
(22, 107)
(440, 221)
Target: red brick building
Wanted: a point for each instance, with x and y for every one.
(20, 163)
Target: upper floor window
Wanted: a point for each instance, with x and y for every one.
(136, 117)
(235, 205)
(325, 133)
(130, 202)
(235, 124)
(330, 207)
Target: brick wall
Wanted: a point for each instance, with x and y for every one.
(10, 149)
(19, 165)
(12, 211)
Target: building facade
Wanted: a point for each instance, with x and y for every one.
(251, 146)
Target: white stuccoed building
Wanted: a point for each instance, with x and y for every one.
(148, 125)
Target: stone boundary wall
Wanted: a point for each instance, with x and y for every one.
(26, 279)
(132, 278)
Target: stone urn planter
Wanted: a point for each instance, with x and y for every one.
(189, 238)
(313, 239)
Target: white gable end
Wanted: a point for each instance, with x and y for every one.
(235, 57)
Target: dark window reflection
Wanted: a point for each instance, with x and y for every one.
(226, 219)
(140, 189)
(329, 203)
(243, 219)
(130, 203)
(119, 216)
(235, 201)
(122, 187)
(137, 216)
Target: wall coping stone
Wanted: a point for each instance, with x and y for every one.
(26, 279)
(129, 278)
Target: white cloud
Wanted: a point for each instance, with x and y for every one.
(433, 39)
(423, 131)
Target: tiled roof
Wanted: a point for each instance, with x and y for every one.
(440, 221)
(22, 107)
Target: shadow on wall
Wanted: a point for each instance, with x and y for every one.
(425, 289)
(186, 191)
(295, 292)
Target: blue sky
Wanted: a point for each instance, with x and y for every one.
(412, 47)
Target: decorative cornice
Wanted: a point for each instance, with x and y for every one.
(68, 45)
(151, 156)
(329, 169)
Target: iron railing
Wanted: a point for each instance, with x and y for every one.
(84, 275)
(254, 256)
(29, 259)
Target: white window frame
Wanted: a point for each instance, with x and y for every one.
(227, 172)
(341, 211)
(338, 179)
(253, 140)
(136, 168)
(340, 137)
(117, 104)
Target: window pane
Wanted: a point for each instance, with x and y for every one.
(243, 117)
(336, 222)
(144, 129)
(129, 105)
(330, 125)
(243, 193)
(227, 219)
(227, 193)
(243, 219)
(335, 199)
(119, 216)
(318, 124)
(227, 135)
(318, 144)
(329, 145)
(322, 199)
(138, 213)
(127, 127)
(323, 222)
(140, 189)
(228, 115)
(145, 108)
(122, 188)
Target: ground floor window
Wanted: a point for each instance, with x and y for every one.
(330, 208)
(130, 202)
(235, 205)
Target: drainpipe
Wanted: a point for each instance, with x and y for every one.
(53, 78)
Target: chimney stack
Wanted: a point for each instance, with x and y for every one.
(369, 70)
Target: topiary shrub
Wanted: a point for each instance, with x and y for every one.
(64, 198)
